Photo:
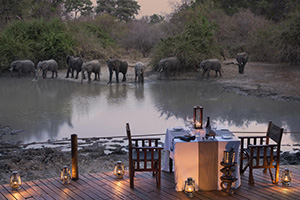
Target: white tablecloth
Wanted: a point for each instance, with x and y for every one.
(170, 134)
(201, 161)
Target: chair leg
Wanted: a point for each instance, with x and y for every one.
(131, 175)
(241, 163)
(170, 165)
(276, 175)
(251, 179)
(158, 178)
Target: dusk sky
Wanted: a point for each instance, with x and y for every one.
(149, 7)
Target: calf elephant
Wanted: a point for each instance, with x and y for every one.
(91, 67)
(139, 72)
(210, 64)
(23, 66)
(117, 66)
(74, 63)
(168, 64)
(242, 59)
(48, 65)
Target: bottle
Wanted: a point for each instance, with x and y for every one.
(208, 124)
(207, 127)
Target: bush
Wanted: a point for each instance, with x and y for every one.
(35, 40)
(196, 43)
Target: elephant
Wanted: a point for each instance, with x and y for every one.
(48, 65)
(91, 67)
(117, 66)
(242, 59)
(211, 64)
(74, 63)
(139, 72)
(168, 64)
(23, 66)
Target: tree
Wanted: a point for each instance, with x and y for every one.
(142, 36)
(155, 18)
(84, 7)
(124, 10)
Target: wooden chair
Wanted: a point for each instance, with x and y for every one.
(260, 153)
(144, 155)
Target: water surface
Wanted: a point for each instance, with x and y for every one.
(55, 109)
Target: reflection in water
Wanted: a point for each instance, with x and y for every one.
(54, 109)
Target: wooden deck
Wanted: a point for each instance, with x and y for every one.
(106, 186)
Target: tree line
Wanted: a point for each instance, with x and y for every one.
(196, 30)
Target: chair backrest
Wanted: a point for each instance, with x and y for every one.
(129, 136)
(275, 133)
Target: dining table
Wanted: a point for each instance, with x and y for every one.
(201, 158)
(171, 133)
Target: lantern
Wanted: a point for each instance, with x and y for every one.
(15, 180)
(189, 187)
(198, 117)
(229, 156)
(119, 169)
(286, 177)
(65, 175)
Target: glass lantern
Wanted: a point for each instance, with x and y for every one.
(65, 175)
(119, 169)
(189, 187)
(15, 180)
(198, 117)
(286, 177)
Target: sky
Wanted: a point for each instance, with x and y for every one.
(150, 7)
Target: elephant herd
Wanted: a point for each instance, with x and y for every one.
(173, 64)
(77, 65)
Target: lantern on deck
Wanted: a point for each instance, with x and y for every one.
(15, 180)
(198, 117)
(65, 175)
(286, 177)
(119, 169)
(189, 187)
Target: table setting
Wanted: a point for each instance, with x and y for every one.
(198, 152)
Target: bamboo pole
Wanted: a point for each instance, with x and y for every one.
(74, 153)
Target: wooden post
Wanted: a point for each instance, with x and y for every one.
(74, 153)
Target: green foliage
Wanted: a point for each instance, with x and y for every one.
(193, 45)
(35, 40)
(84, 7)
(124, 10)
(290, 38)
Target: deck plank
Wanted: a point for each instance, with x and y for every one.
(106, 186)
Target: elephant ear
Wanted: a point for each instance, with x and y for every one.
(18, 65)
(44, 65)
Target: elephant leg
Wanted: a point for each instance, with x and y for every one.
(89, 76)
(77, 72)
(135, 78)
(142, 78)
(117, 76)
(110, 75)
(124, 77)
(52, 74)
(216, 76)
(68, 71)
(220, 73)
(72, 73)
(55, 74)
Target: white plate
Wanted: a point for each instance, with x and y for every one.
(177, 128)
(226, 136)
